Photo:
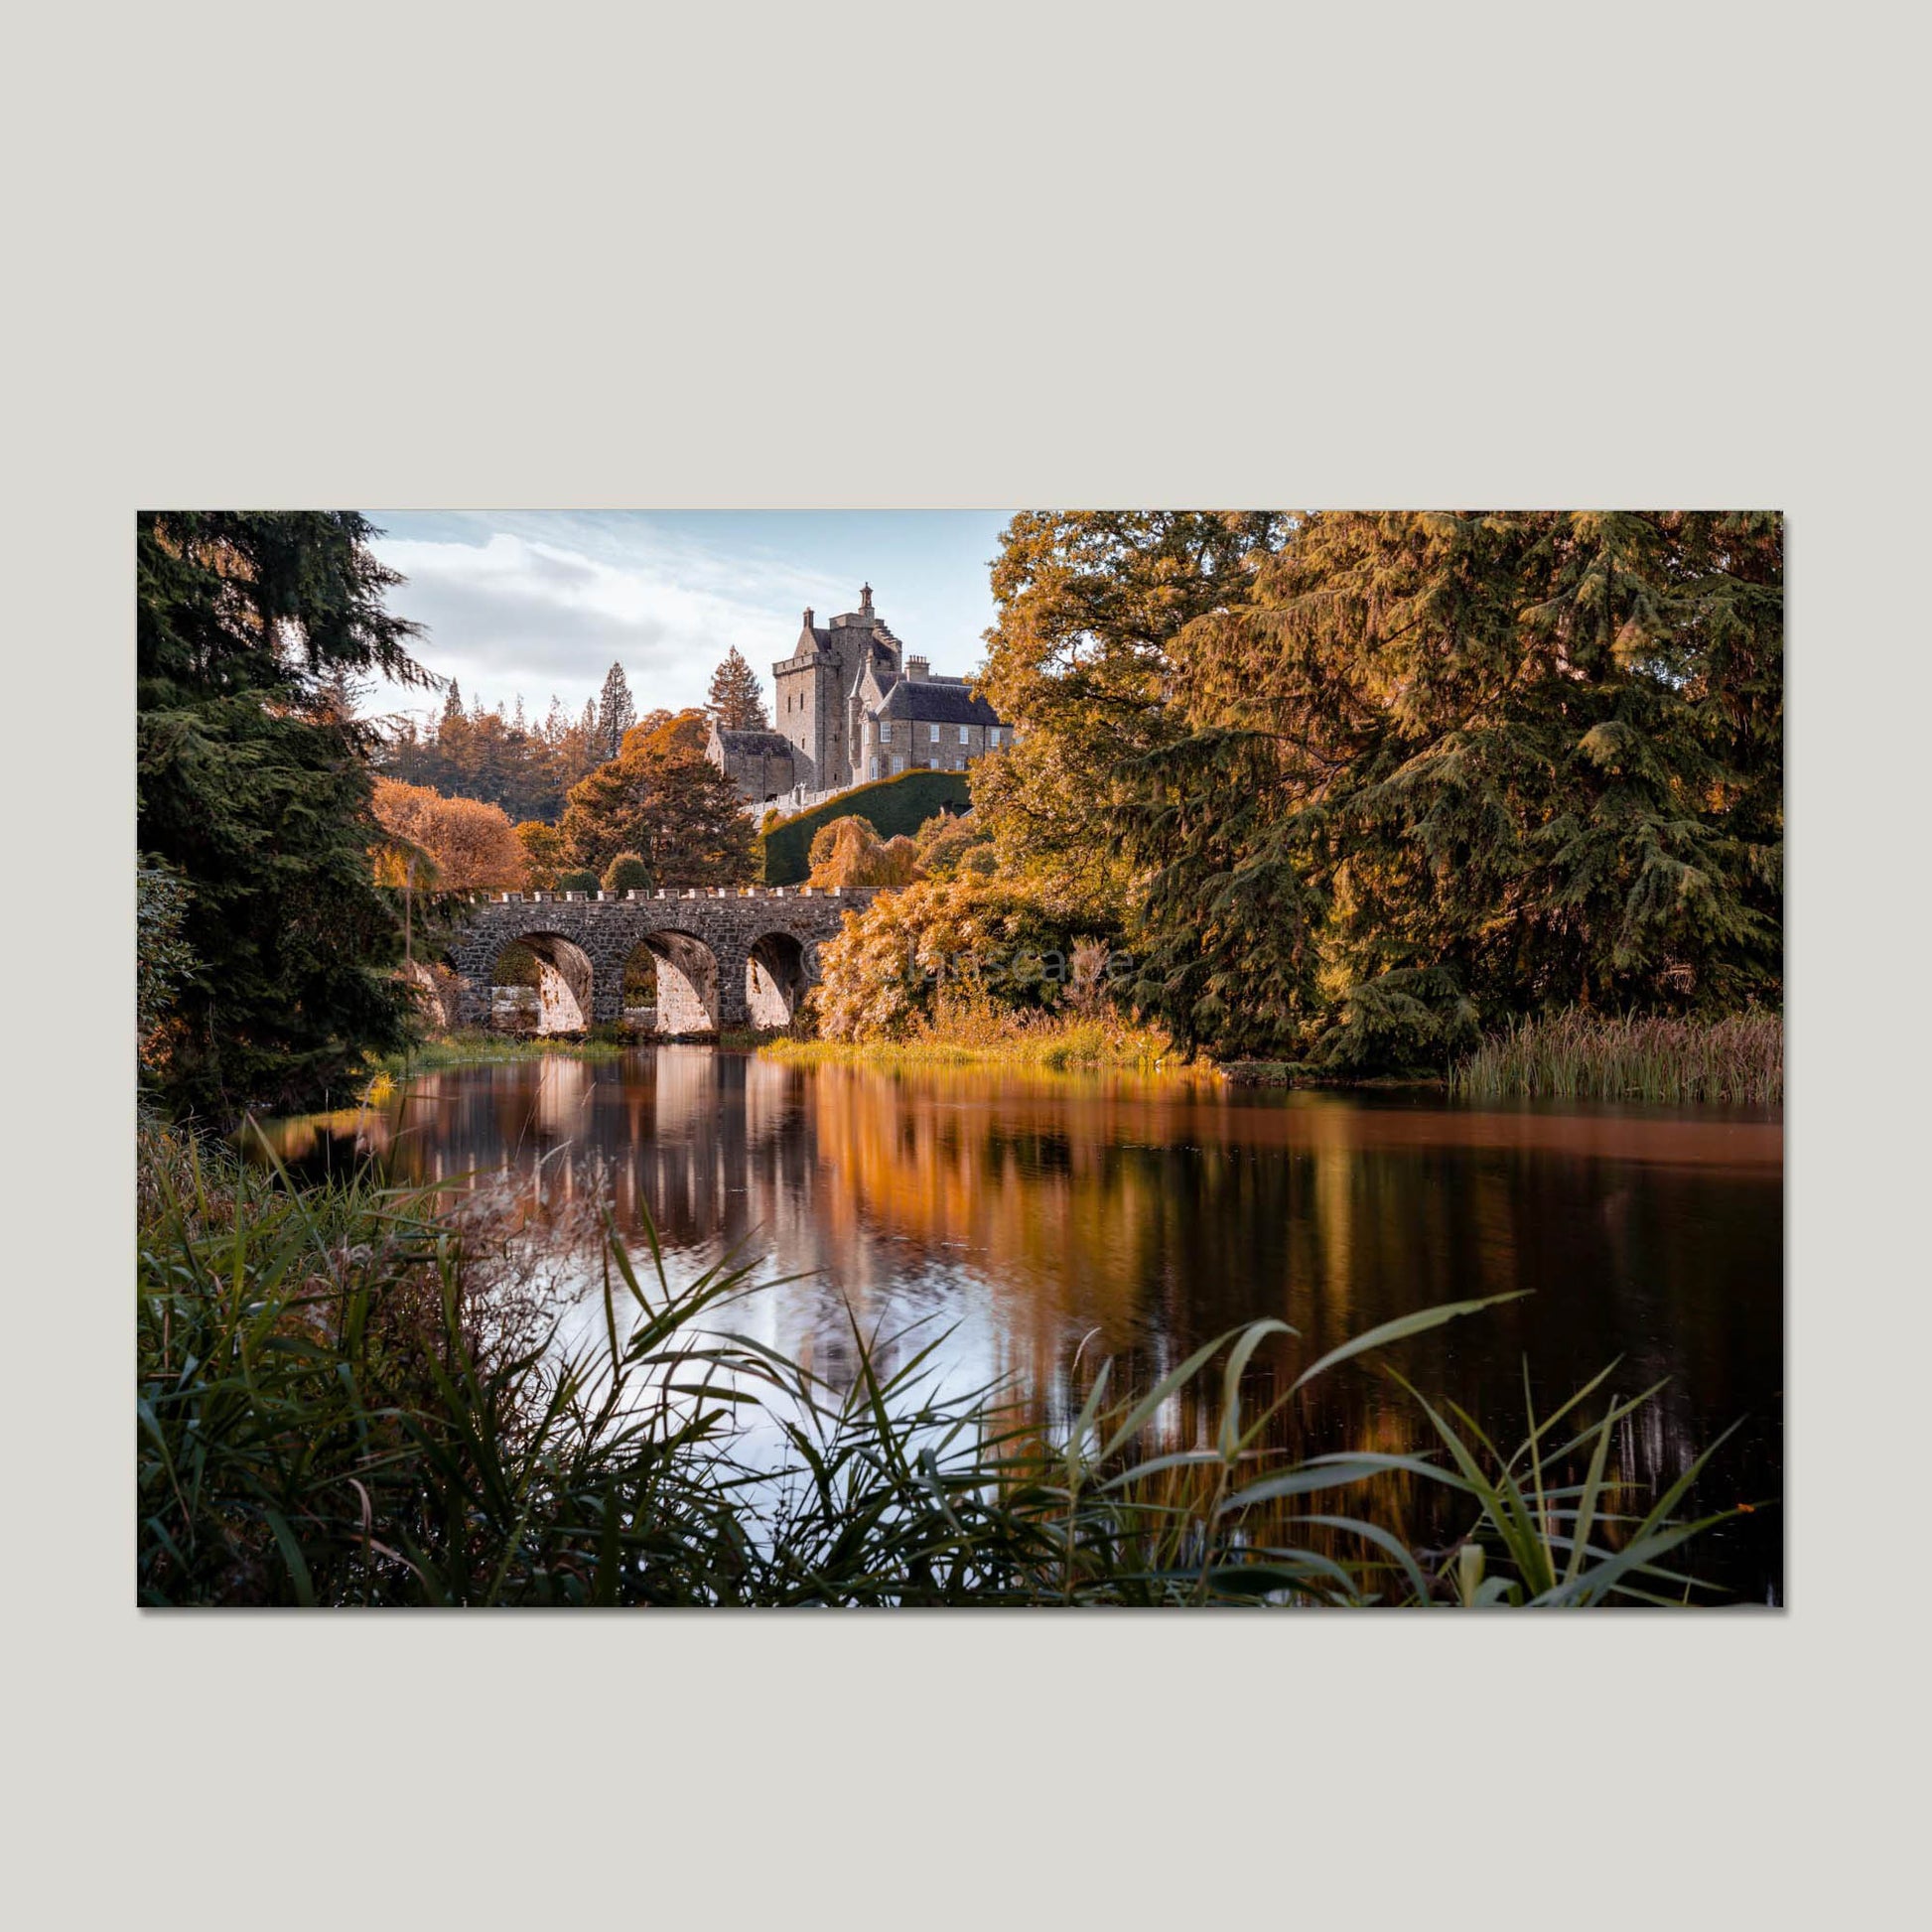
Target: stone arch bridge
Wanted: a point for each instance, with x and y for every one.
(726, 956)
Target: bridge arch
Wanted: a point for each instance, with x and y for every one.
(777, 975)
(566, 981)
(687, 982)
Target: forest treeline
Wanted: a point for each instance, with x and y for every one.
(526, 768)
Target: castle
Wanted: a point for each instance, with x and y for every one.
(851, 708)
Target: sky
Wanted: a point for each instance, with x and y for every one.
(533, 603)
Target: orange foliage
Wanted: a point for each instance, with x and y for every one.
(848, 852)
(472, 846)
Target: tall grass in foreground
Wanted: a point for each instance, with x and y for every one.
(1584, 1056)
(348, 1397)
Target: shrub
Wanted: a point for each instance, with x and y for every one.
(984, 938)
(626, 873)
(848, 852)
(952, 842)
(516, 965)
(162, 958)
(890, 806)
(577, 881)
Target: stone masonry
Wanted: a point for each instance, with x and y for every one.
(727, 956)
(853, 707)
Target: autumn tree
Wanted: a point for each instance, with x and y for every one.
(543, 854)
(471, 846)
(1436, 769)
(498, 760)
(1078, 661)
(952, 842)
(663, 800)
(254, 791)
(989, 943)
(850, 852)
(737, 697)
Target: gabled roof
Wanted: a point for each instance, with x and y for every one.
(753, 743)
(813, 640)
(936, 701)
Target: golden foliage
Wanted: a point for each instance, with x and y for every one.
(543, 853)
(848, 852)
(472, 847)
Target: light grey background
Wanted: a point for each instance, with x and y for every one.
(844, 256)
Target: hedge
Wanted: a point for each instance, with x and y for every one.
(890, 805)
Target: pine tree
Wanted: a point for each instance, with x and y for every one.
(615, 713)
(737, 699)
(256, 793)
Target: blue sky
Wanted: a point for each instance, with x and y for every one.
(536, 602)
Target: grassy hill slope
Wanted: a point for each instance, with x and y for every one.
(890, 805)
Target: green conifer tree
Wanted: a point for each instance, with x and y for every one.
(615, 714)
(254, 790)
(737, 699)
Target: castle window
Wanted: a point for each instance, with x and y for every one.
(884, 731)
(962, 733)
(933, 730)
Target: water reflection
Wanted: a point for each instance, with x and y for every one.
(1034, 1212)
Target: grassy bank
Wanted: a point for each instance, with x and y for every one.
(1584, 1056)
(483, 1048)
(1047, 1042)
(349, 1397)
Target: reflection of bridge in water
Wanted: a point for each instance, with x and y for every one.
(726, 956)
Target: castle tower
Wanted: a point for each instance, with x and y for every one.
(818, 689)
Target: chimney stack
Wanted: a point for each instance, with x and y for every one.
(808, 617)
(918, 669)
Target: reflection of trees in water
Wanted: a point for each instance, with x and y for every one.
(1160, 1217)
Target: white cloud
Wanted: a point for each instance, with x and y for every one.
(511, 613)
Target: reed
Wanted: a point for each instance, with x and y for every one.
(351, 1395)
(1579, 1055)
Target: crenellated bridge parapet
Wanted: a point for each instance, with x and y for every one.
(727, 956)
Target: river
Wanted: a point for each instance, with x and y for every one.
(1029, 1216)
